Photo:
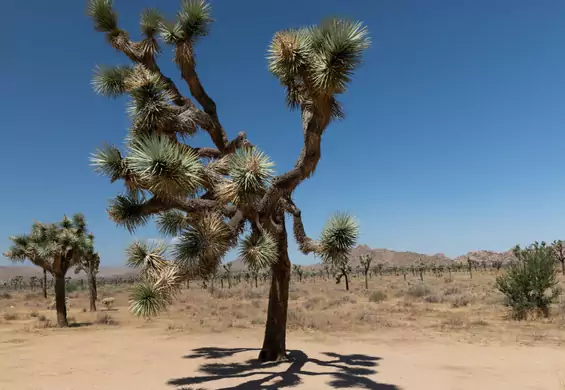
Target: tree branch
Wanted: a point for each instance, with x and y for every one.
(305, 243)
(156, 205)
(184, 57)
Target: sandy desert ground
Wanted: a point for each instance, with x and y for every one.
(447, 333)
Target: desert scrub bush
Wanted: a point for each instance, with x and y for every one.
(460, 301)
(5, 295)
(530, 284)
(418, 291)
(34, 314)
(108, 302)
(433, 298)
(451, 290)
(105, 319)
(10, 316)
(377, 296)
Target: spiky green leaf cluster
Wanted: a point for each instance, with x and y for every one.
(107, 160)
(203, 245)
(194, 19)
(111, 81)
(150, 104)
(150, 21)
(258, 251)
(316, 63)
(146, 300)
(172, 223)
(338, 237)
(149, 259)
(164, 167)
(250, 172)
(105, 18)
(127, 210)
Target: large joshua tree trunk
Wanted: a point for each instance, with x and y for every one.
(92, 287)
(44, 285)
(274, 343)
(60, 304)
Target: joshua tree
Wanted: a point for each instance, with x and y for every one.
(44, 283)
(299, 271)
(342, 269)
(559, 251)
(227, 269)
(470, 267)
(208, 196)
(55, 247)
(90, 264)
(366, 261)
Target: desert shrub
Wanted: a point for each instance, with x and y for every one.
(10, 316)
(460, 301)
(418, 291)
(530, 284)
(433, 299)
(105, 319)
(5, 295)
(33, 314)
(451, 290)
(41, 318)
(377, 296)
(108, 302)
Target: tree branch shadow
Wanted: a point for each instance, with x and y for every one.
(346, 371)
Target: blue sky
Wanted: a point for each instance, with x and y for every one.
(453, 139)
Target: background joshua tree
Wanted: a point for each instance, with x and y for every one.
(366, 261)
(55, 247)
(559, 252)
(227, 269)
(90, 264)
(299, 271)
(210, 197)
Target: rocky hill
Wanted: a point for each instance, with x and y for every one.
(385, 256)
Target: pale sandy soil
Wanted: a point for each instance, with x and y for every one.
(147, 359)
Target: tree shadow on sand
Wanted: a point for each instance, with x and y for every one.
(343, 371)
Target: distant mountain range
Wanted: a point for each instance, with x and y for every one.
(385, 256)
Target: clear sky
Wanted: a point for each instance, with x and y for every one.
(453, 140)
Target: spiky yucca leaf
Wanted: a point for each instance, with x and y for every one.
(146, 300)
(338, 46)
(127, 210)
(338, 237)
(250, 172)
(203, 245)
(151, 19)
(288, 53)
(107, 160)
(165, 167)
(111, 80)
(194, 19)
(168, 282)
(150, 105)
(105, 18)
(171, 32)
(171, 223)
(150, 259)
(258, 250)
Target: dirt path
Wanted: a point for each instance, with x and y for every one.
(137, 359)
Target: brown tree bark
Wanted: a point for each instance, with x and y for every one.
(44, 284)
(366, 280)
(274, 343)
(346, 281)
(92, 287)
(60, 303)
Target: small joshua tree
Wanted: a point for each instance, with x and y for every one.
(366, 261)
(55, 247)
(227, 269)
(530, 284)
(90, 264)
(559, 252)
(209, 196)
(299, 271)
(339, 236)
